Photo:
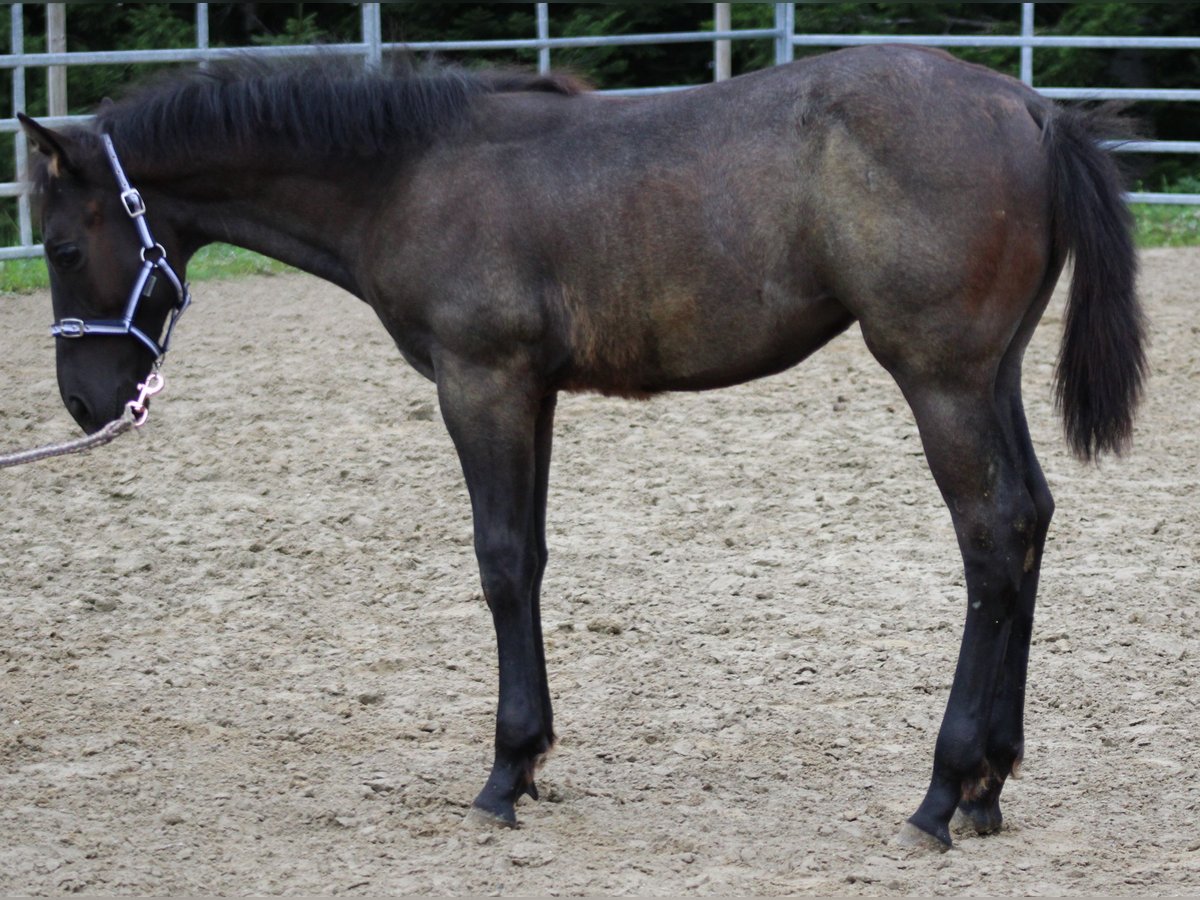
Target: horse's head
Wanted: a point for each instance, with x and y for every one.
(112, 294)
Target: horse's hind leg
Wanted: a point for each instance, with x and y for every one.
(501, 424)
(543, 439)
(972, 458)
(1006, 735)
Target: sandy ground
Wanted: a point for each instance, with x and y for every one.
(245, 651)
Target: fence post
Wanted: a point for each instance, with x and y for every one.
(722, 50)
(1026, 49)
(372, 27)
(785, 24)
(20, 145)
(202, 30)
(543, 34)
(56, 42)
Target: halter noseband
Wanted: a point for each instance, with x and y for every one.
(154, 257)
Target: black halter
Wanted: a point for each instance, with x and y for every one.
(154, 262)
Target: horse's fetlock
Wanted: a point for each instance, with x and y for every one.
(976, 786)
(523, 735)
(960, 752)
(1005, 755)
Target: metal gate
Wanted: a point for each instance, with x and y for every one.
(371, 48)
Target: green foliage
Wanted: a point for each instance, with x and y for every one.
(1167, 226)
(23, 276)
(419, 22)
(227, 261)
(299, 29)
(917, 18)
(156, 25)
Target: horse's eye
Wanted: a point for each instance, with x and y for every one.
(65, 256)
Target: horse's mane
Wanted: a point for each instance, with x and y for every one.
(311, 108)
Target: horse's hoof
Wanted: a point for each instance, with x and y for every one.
(980, 819)
(479, 818)
(913, 838)
(960, 821)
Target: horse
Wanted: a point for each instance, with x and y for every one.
(521, 235)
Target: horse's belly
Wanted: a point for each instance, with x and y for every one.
(744, 341)
(682, 343)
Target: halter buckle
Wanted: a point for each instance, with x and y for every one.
(133, 203)
(70, 328)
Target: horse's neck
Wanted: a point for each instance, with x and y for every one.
(312, 222)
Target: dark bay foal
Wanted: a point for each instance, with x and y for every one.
(518, 237)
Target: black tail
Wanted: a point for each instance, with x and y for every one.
(1102, 363)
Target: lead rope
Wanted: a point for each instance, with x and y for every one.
(137, 411)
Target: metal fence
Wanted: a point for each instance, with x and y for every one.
(371, 48)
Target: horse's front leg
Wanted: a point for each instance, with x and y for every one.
(499, 420)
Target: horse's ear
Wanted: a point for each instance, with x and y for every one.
(49, 143)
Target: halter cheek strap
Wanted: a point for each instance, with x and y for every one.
(154, 264)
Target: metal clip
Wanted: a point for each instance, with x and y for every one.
(139, 408)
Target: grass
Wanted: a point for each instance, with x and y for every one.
(23, 276)
(1167, 226)
(1157, 226)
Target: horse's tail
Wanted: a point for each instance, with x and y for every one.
(1102, 361)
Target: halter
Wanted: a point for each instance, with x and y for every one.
(154, 262)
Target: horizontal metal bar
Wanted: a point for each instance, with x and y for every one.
(20, 252)
(1098, 42)
(1166, 199)
(1155, 146)
(1160, 94)
(649, 91)
(198, 54)
(183, 54)
(12, 125)
(616, 40)
(1013, 41)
